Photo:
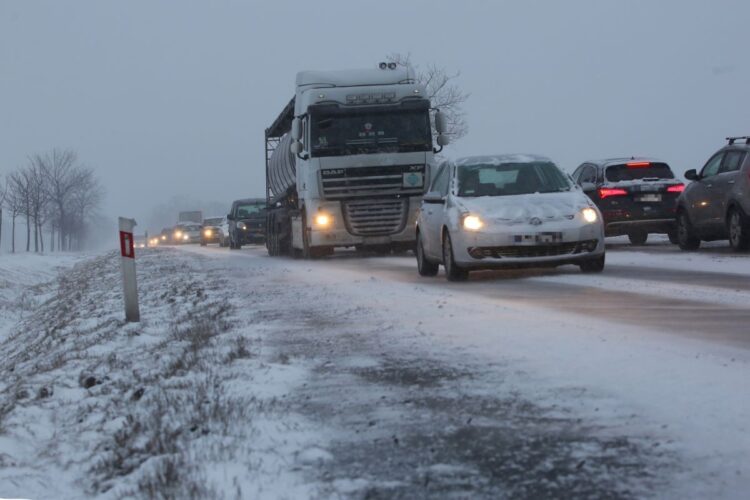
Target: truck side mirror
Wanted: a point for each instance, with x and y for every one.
(296, 129)
(230, 217)
(441, 124)
(295, 147)
(442, 140)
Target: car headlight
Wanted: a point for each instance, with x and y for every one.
(589, 215)
(323, 220)
(163, 237)
(208, 232)
(473, 223)
(185, 236)
(242, 225)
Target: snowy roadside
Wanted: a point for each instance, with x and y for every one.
(25, 279)
(179, 405)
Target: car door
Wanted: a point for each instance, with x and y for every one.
(723, 183)
(587, 179)
(433, 212)
(703, 210)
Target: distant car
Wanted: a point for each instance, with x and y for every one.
(636, 196)
(506, 211)
(186, 232)
(214, 230)
(247, 222)
(716, 204)
(165, 237)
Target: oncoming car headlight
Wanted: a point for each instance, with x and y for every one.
(242, 225)
(208, 232)
(473, 223)
(589, 215)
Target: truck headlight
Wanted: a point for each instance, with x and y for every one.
(323, 220)
(589, 215)
(473, 223)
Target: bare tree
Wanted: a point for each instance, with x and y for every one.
(60, 170)
(443, 91)
(18, 203)
(3, 199)
(39, 196)
(84, 202)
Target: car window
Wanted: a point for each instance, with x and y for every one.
(732, 161)
(440, 183)
(506, 179)
(637, 170)
(712, 166)
(588, 175)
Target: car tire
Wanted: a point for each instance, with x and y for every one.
(686, 238)
(424, 266)
(595, 265)
(453, 272)
(738, 228)
(672, 235)
(638, 237)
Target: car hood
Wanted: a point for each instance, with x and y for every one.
(522, 208)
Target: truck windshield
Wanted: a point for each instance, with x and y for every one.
(511, 179)
(353, 132)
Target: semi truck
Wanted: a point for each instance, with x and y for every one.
(347, 161)
(190, 216)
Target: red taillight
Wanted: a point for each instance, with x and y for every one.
(638, 164)
(677, 188)
(607, 192)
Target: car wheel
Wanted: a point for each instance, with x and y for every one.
(672, 235)
(452, 271)
(638, 237)
(424, 266)
(739, 232)
(686, 238)
(595, 265)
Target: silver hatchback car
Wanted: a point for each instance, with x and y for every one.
(506, 211)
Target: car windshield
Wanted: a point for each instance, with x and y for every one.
(250, 210)
(511, 179)
(395, 130)
(638, 170)
(216, 221)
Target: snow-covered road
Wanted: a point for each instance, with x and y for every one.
(654, 351)
(354, 377)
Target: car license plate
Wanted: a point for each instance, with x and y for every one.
(538, 238)
(649, 198)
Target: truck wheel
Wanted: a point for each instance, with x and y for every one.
(452, 271)
(686, 238)
(638, 237)
(738, 228)
(424, 266)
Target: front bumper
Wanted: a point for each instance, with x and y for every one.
(525, 245)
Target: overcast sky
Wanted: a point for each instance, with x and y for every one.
(169, 98)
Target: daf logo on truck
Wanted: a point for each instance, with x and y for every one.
(347, 162)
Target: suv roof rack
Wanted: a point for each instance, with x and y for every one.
(732, 139)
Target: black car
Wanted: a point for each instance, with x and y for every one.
(247, 222)
(636, 196)
(716, 205)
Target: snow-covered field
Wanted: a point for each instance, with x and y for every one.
(352, 377)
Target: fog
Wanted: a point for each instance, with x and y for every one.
(170, 99)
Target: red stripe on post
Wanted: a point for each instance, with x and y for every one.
(126, 245)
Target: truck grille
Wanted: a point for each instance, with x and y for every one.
(375, 217)
(351, 182)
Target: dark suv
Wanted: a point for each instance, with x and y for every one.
(636, 196)
(716, 205)
(247, 222)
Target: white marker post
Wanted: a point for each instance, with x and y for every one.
(129, 286)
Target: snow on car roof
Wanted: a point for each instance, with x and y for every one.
(500, 159)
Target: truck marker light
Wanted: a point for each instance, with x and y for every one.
(607, 192)
(677, 188)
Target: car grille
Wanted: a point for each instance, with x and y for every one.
(375, 217)
(340, 183)
(521, 251)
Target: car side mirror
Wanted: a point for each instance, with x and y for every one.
(230, 217)
(692, 175)
(433, 197)
(588, 187)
